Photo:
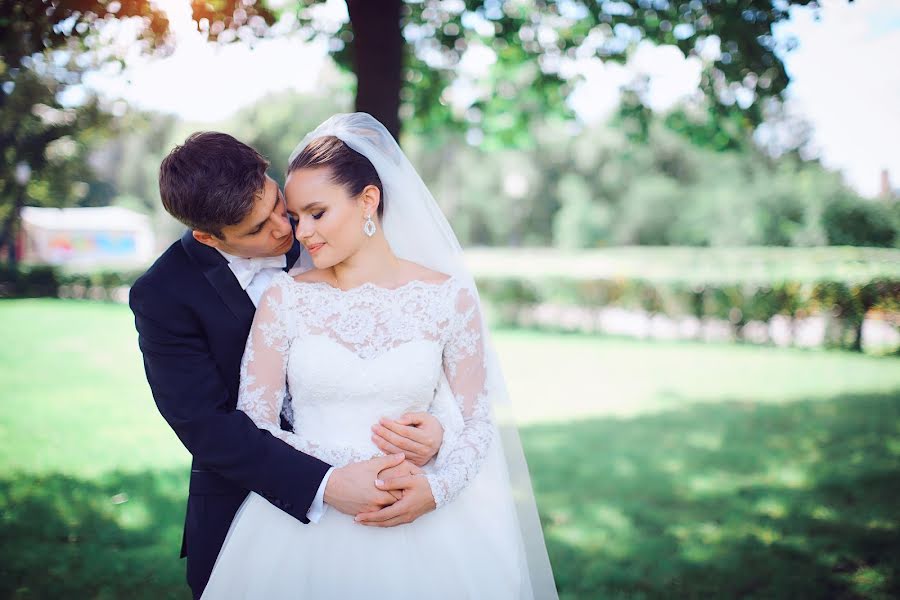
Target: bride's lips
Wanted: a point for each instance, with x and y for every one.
(313, 248)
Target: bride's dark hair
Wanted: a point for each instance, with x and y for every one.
(348, 167)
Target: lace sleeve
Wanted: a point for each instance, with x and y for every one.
(264, 366)
(464, 365)
(444, 409)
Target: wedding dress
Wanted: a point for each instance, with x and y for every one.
(349, 357)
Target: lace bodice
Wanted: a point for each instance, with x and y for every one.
(351, 357)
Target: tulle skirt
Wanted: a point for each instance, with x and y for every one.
(469, 548)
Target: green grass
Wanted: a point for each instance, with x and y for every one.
(662, 470)
(75, 399)
(725, 500)
(560, 377)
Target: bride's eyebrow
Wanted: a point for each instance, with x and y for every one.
(312, 205)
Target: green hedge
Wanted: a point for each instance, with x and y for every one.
(847, 303)
(26, 281)
(737, 303)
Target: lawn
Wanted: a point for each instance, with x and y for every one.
(662, 469)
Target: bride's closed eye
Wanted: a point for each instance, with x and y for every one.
(318, 215)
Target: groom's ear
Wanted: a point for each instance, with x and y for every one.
(206, 238)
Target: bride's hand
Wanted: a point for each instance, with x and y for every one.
(402, 470)
(417, 435)
(416, 501)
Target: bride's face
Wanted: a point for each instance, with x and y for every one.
(329, 221)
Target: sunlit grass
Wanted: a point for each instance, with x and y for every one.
(74, 394)
(759, 515)
(566, 376)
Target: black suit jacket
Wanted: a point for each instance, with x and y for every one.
(193, 320)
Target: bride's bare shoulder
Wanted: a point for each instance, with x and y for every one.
(415, 271)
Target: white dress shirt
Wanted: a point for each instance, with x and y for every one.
(254, 275)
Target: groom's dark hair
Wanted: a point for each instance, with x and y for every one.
(348, 167)
(211, 181)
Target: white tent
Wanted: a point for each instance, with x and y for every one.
(108, 236)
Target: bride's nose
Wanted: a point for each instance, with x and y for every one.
(305, 228)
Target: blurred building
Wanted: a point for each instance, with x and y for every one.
(86, 238)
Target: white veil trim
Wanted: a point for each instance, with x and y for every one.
(418, 231)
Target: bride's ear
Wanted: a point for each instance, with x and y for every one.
(371, 198)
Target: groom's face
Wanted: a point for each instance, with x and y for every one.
(265, 231)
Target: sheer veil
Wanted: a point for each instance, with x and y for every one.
(418, 231)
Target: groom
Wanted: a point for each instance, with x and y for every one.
(193, 310)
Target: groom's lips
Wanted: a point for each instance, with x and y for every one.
(312, 249)
(288, 242)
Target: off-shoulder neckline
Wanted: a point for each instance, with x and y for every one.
(374, 286)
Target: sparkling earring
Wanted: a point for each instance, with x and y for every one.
(369, 227)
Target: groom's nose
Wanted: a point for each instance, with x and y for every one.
(282, 227)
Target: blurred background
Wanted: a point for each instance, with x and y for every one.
(684, 220)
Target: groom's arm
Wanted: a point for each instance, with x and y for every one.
(193, 398)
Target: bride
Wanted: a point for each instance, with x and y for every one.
(386, 318)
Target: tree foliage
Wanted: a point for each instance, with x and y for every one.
(45, 46)
(596, 188)
(600, 188)
(531, 46)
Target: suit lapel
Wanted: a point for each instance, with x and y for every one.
(292, 255)
(215, 268)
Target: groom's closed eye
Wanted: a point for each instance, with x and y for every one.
(255, 230)
(279, 202)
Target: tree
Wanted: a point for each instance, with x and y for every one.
(44, 47)
(407, 55)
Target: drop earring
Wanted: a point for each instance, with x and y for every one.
(369, 227)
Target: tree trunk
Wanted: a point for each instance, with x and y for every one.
(8, 228)
(378, 59)
(858, 335)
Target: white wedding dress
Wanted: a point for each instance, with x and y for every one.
(348, 358)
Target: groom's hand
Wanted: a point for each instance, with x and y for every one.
(417, 435)
(351, 489)
(416, 501)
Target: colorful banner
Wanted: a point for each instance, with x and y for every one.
(61, 247)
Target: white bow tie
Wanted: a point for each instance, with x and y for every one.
(245, 269)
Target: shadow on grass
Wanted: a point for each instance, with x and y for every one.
(725, 500)
(111, 537)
